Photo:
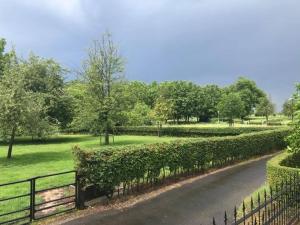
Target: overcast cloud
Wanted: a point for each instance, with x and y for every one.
(205, 41)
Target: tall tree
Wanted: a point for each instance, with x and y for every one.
(231, 106)
(3, 56)
(249, 93)
(46, 76)
(288, 108)
(102, 73)
(265, 107)
(161, 112)
(15, 101)
(208, 98)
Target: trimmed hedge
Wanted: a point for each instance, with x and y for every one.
(189, 131)
(282, 166)
(111, 167)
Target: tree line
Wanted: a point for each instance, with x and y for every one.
(37, 101)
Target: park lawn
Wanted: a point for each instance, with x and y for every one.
(31, 159)
(55, 155)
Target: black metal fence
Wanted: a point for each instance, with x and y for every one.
(278, 205)
(23, 201)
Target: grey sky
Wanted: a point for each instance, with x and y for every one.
(205, 41)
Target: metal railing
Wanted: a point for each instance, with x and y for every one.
(39, 197)
(278, 205)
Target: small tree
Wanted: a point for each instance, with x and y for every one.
(15, 101)
(288, 108)
(161, 112)
(230, 107)
(102, 73)
(265, 108)
(139, 115)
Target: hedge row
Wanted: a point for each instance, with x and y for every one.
(189, 131)
(132, 165)
(281, 167)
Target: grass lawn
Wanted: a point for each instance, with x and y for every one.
(33, 159)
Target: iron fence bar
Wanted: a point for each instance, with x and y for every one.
(57, 187)
(15, 182)
(15, 220)
(33, 183)
(56, 174)
(53, 206)
(15, 197)
(13, 212)
(55, 200)
(53, 214)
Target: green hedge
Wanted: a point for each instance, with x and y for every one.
(189, 131)
(111, 167)
(281, 167)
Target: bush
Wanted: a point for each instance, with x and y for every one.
(281, 167)
(189, 131)
(110, 168)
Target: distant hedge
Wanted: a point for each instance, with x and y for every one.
(128, 165)
(189, 131)
(281, 167)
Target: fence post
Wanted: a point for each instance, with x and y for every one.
(32, 199)
(79, 193)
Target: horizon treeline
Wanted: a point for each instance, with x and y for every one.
(37, 101)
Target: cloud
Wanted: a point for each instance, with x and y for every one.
(69, 10)
(205, 41)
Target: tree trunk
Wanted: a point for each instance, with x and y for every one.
(106, 138)
(11, 142)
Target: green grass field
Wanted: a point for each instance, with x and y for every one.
(54, 155)
(32, 159)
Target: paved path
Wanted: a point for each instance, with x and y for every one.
(192, 204)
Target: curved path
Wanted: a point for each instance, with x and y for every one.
(191, 204)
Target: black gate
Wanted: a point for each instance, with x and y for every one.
(16, 202)
(39, 197)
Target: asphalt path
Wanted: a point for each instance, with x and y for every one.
(191, 204)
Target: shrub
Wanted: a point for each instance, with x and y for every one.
(109, 168)
(281, 167)
(189, 131)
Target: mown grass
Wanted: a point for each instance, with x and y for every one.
(31, 159)
(54, 155)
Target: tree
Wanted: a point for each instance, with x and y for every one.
(139, 115)
(294, 138)
(101, 72)
(231, 106)
(161, 112)
(249, 94)
(3, 56)
(207, 100)
(45, 76)
(265, 107)
(15, 101)
(288, 108)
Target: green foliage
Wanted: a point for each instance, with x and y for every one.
(265, 108)
(162, 110)
(45, 77)
(287, 108)
(102, 75)
(4, 57)
(139, 115)
(207, 100)
(281, 167)
(231, 106)
(25, 98)
(178, 131)
(294, 139)
(249, 93)
(109, 168)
